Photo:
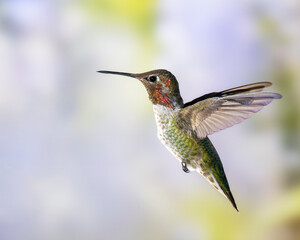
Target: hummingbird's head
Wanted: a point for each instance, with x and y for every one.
(161, 85)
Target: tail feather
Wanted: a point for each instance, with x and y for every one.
(212, 169)
(221, 184)
(229, 196)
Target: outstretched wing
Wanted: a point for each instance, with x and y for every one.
(219, 110)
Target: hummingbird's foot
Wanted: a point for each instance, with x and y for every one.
(184, 167)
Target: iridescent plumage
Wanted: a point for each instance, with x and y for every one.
(183, 128)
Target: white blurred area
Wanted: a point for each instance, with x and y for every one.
(79, 155)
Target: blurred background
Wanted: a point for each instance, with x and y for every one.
(79, 154)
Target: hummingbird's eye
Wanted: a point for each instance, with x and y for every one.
(152, 78)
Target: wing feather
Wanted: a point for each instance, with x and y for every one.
(216, 111)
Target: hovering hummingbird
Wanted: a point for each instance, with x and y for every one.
(183, 127)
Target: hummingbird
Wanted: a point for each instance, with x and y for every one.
(184, 127)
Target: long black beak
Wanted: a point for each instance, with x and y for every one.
(119, 73)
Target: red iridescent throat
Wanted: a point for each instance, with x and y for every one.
(162, 98)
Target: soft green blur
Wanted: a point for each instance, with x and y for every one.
(79, 155)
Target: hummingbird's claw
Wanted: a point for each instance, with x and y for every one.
(184, 167)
